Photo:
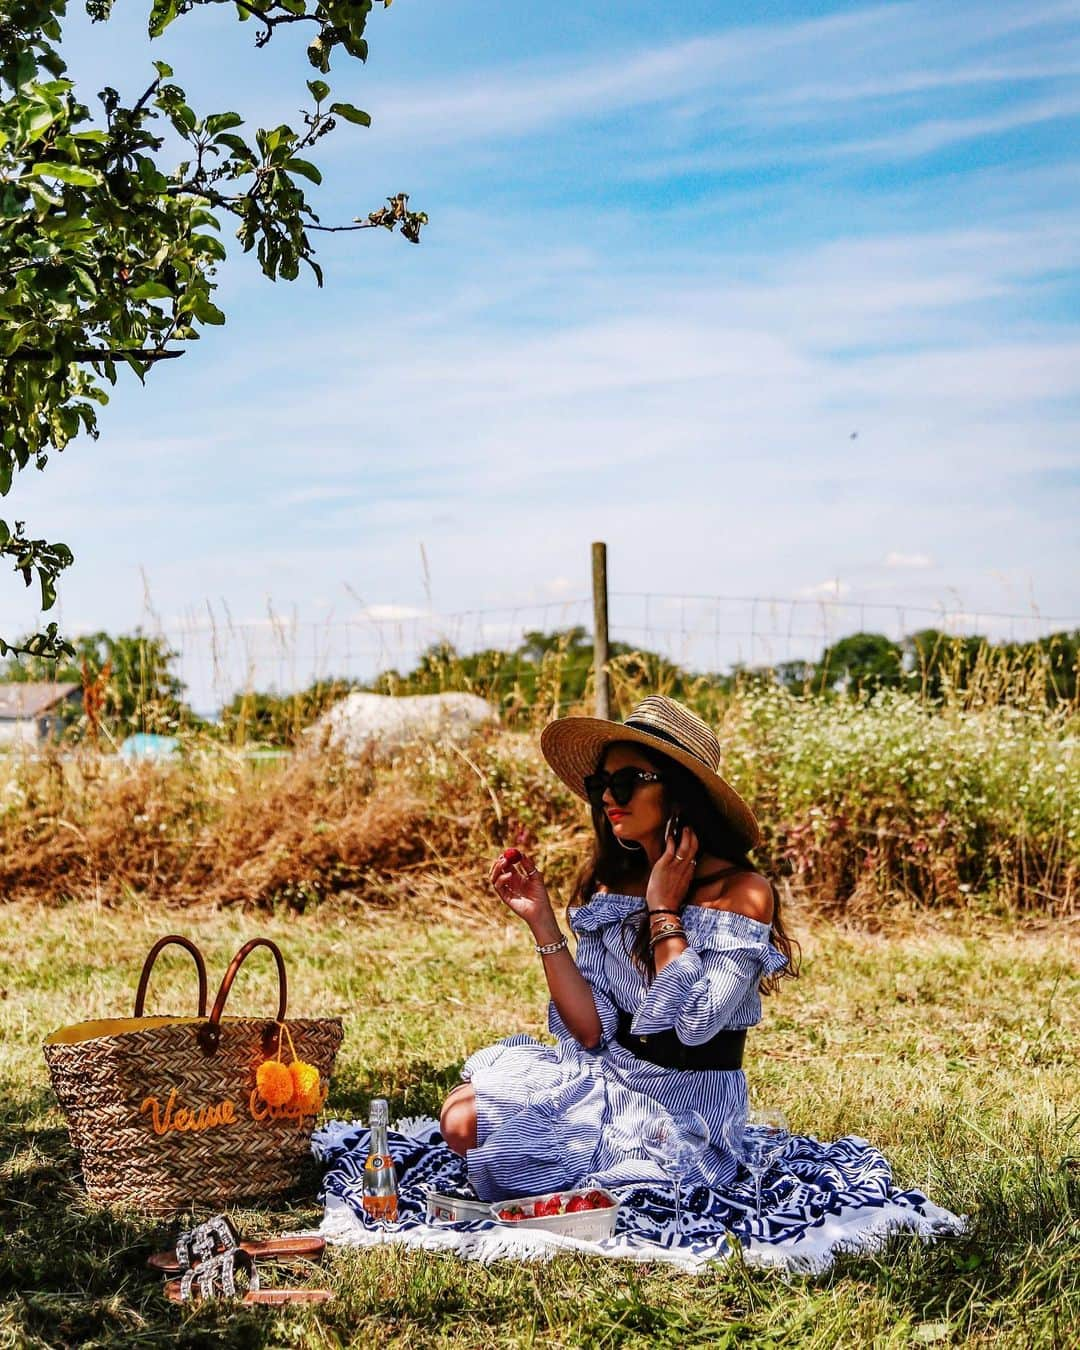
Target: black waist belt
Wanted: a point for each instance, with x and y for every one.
(723, 1051)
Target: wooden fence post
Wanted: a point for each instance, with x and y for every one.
(600, 630)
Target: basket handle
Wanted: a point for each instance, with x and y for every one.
(173, 939)
(210, 1033)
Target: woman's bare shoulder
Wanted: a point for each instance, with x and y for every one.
(746, 893)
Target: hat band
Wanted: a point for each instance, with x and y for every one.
(663, 736)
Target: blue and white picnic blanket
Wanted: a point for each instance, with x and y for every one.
(820, 1199)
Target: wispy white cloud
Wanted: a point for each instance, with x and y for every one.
(391, 613)
(915, 560)
(822, 95)
(498, 104)
(936, 134)
(833, 589)
(730, 80)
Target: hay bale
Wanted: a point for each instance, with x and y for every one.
(379, 723)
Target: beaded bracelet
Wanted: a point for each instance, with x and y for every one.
(550, 948)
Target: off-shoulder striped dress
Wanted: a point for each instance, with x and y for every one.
(552, 1117)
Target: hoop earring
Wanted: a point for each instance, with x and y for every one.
(630, 848)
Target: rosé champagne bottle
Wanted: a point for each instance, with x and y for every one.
(380, 1179)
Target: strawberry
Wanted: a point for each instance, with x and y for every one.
(512, 1213)
(597, 1200)
(578, 1203)
(552, 1205)
(511, 855)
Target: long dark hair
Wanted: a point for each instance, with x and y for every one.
(614, 866)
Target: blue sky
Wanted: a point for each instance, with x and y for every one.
(779, 300)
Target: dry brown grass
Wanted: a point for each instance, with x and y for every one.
(867, 810)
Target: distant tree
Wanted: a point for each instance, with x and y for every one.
(861, 663)
(545, 669)
(128, 682)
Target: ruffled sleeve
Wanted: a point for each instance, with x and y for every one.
(713, 985)
(587, 923)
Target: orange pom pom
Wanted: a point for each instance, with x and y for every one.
(274, 1083)
(306, 1086)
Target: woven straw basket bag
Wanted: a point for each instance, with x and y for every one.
(164, 1111)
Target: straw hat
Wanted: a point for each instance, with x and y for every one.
(573, 746)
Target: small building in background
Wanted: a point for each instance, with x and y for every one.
(32, 713)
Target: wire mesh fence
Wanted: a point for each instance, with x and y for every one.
(217, 657)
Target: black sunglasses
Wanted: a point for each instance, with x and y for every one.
(622, 784)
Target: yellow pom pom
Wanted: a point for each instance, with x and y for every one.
(306, 1086)
(274, 1083)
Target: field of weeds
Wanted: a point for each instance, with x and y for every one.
(868, 808)
(956, 1053)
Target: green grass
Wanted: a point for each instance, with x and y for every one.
(956, 1052)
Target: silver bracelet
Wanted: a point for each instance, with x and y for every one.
(550, 948)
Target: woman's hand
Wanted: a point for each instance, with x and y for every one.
(521, 888)
(673, 871)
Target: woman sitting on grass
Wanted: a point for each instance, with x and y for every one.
(677, 935)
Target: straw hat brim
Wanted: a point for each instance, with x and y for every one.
(572, 747)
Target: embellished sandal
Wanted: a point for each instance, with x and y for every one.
(218, 1234)
(273, 1249)
(220, 1282)
(211, 1255)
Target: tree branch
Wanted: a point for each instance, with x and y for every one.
(344, 229)
(271, 24)
(81, 354)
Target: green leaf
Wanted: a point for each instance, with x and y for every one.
(74, 174)
(38, 118)
(236, 144)
(183, 118)
(218, 122)
(351, 114)
(163, 69)
(208, 312)
(151, 290)
(304, 168)
(48, 589)
(319, 89)
(162, 14)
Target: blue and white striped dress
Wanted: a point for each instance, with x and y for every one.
(556, 1117)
